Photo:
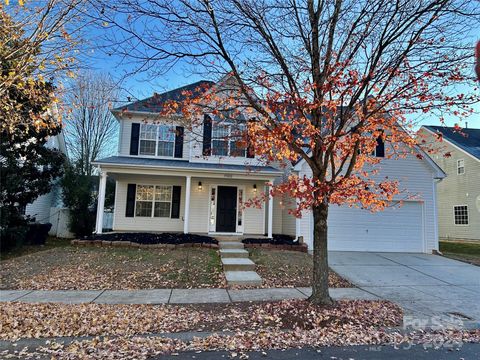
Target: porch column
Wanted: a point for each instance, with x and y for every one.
(188, 184)
(101, 202)
(270, 212)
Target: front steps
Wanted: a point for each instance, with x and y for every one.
(239, 269)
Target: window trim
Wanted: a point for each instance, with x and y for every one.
(153, 201)
(229, 140)
(157, 126)
(468, 217)
(461, 167)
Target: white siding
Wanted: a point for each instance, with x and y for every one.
(121, 222)
(414, 175)
(40, 208)
(288, 220)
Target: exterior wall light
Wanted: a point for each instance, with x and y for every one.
(255, 188)
(199, 185)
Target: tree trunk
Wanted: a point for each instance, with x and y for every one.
(320, 293)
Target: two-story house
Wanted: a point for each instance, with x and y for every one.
(458, 196)
(174, 178)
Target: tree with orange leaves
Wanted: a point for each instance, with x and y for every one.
(323, 80)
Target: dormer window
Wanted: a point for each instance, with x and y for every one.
(157, 140)
(225, 139)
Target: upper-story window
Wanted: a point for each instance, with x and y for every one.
(379, 148)
(157, 140)
(460, 167)
(226, 138)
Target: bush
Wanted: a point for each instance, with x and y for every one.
(78, 197)
(37, 233)
(13, 237)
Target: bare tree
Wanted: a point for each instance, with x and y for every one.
(342, 73)
(90, 126)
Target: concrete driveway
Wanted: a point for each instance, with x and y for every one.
(430, 288)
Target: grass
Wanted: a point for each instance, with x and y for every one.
(51, 243)
(463, 251)
(280, 268)
(82, 268)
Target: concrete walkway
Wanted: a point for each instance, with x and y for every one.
(430, 288)
(172, 296)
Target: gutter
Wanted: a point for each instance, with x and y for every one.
(198, 170)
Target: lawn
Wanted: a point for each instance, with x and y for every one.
(82, 268)
(463, 251)
(280, 268)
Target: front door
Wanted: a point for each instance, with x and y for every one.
(226, 209)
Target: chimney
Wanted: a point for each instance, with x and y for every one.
(466, 124)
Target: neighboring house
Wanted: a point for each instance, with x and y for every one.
(48, 208)
(172, 180)
(458, 195)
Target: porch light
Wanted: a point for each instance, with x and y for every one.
(254, 188)
(199, 185)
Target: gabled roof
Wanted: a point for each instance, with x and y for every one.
(154, 104)
(466, 139)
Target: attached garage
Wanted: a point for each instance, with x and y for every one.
(411, 227)
(396, 229)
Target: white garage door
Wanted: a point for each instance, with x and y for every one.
(396, 229)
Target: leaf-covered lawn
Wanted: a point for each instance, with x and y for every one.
(280, 268)
(463, 251)
(35, 320)
(89, 268)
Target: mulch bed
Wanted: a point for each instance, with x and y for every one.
(154, 238)
(277, 239)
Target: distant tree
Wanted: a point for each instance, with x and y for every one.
(91, 128)
(28, 118)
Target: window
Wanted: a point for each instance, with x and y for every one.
(460, 167)
(226, 138)
(460, 214)
(157, 140)
(380, 148)
(153, 201)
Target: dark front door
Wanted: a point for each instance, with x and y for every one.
(226, 209)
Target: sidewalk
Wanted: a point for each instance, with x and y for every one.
(174, 296)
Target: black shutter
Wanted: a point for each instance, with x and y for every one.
(134, 138)
(179, 141)
(207, 135)
(380, 148)
(250, 149)
(175, 213)
(130, 209)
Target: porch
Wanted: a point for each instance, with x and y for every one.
(188, 200)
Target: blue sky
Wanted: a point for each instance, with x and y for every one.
(141, 85)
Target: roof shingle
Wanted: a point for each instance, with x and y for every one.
(154, 104)
(467, 139)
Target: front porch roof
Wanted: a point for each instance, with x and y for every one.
(167, 164)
